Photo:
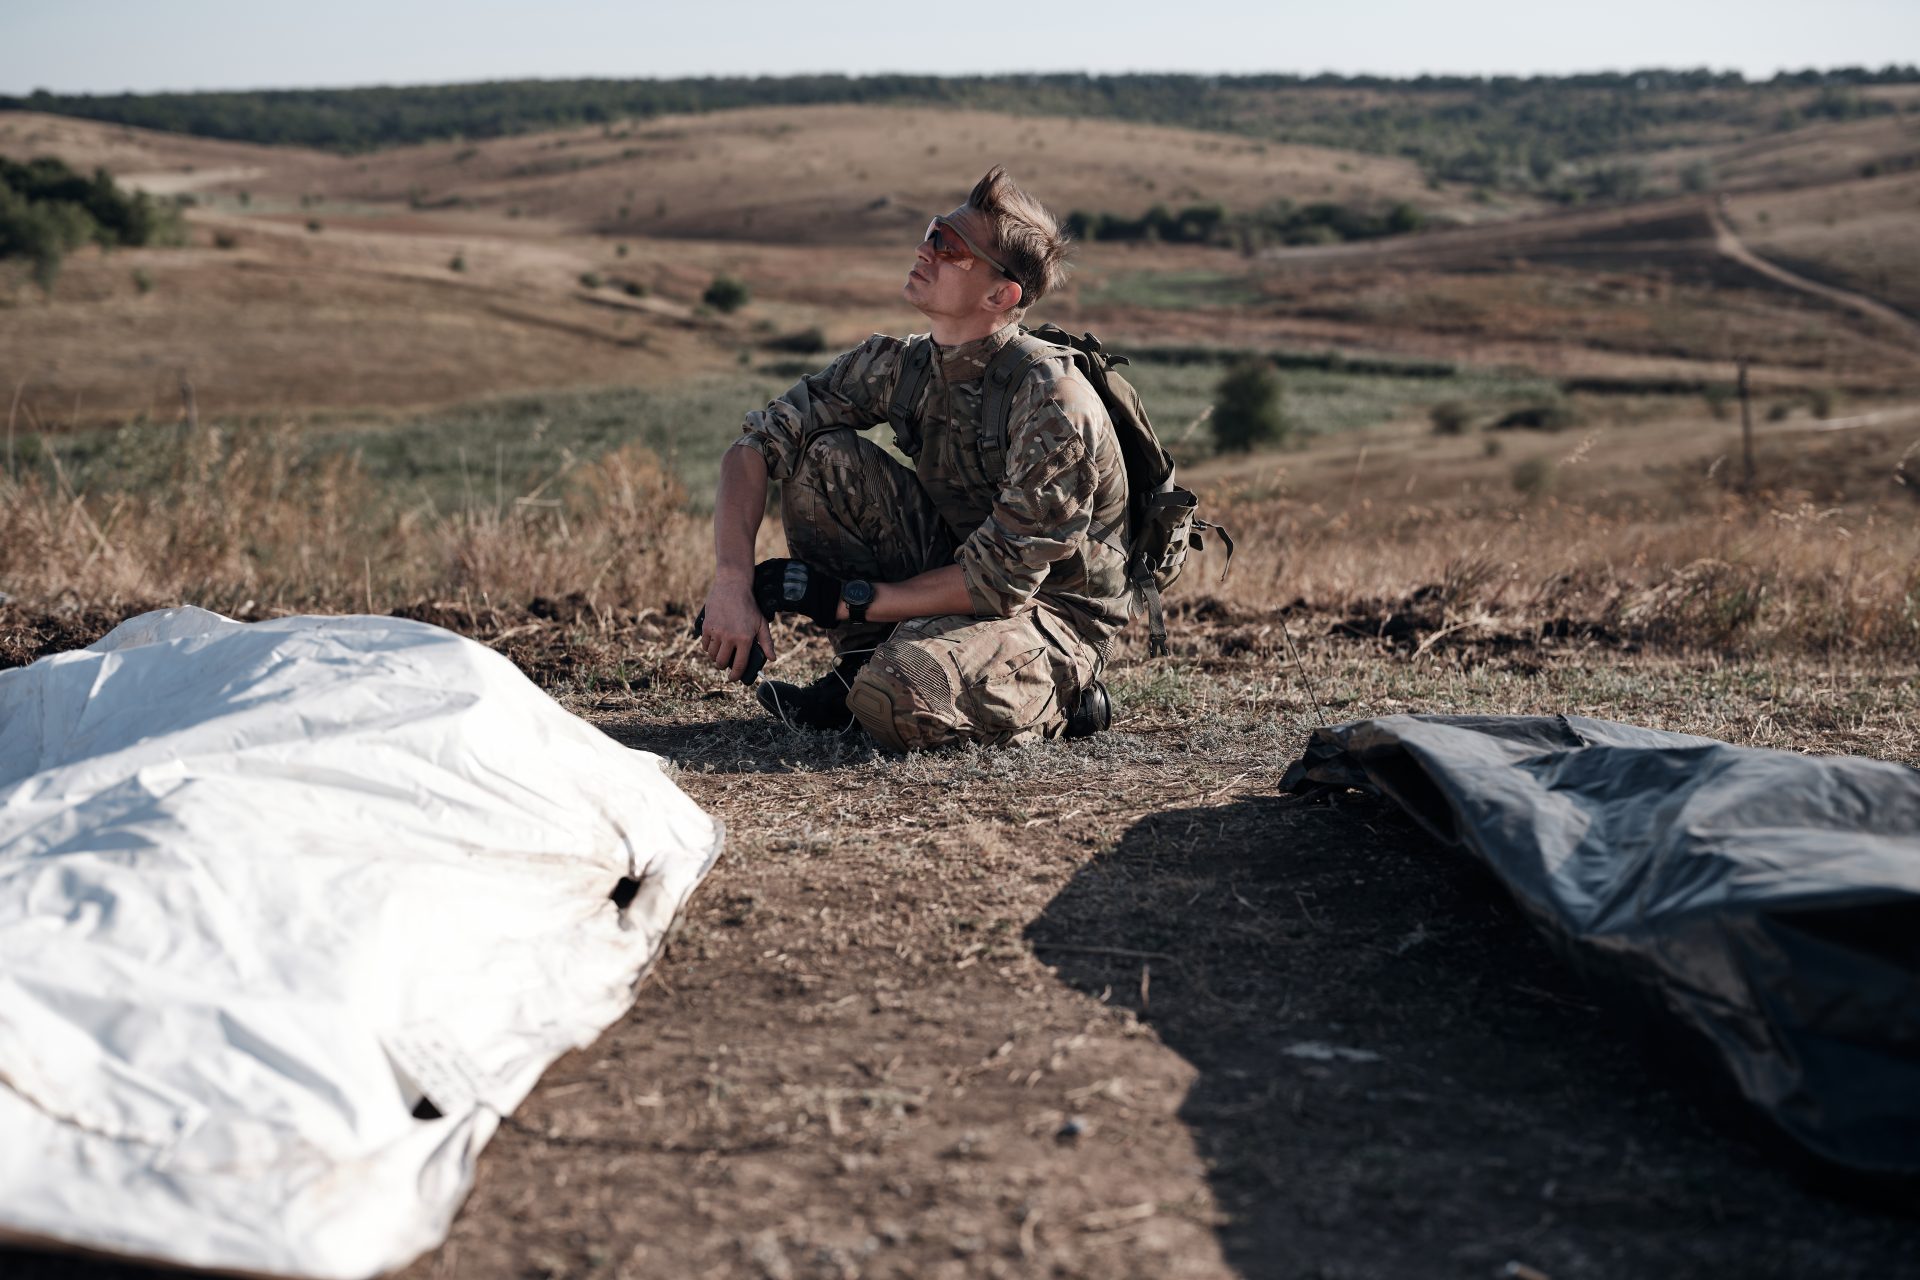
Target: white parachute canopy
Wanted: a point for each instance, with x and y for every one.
(291, 913)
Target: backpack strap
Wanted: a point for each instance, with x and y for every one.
(903, 410)
(1005, 374)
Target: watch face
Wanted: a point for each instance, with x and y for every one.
(858, 593)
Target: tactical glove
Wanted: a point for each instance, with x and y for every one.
(794, 586)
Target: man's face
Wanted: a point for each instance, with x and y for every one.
(950, 288)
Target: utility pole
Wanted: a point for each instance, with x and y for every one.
(1746, 429)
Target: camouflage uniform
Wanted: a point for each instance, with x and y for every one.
(1041, 537)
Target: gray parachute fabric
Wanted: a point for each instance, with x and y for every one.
(291, 914)
(1766, 902)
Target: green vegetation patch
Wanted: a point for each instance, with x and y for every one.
(1281, 222)
(1173, 290)
(1322, 401)
(490, 453)
(47, 210)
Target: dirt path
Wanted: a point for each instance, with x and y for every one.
(1730, 244)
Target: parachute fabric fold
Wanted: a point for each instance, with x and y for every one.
(291, 913)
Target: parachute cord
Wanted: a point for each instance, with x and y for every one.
(1306, 677)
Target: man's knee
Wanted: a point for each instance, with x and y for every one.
(905, 699)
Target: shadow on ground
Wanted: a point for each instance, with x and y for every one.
(20, 1264)
(1397, 1078)
(737, 742)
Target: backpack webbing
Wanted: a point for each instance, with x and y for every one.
(903, 411)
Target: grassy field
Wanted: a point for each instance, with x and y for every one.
(988, 1014)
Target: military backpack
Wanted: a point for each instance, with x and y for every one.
(1162, 518)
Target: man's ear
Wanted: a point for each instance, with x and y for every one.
(1005, 296)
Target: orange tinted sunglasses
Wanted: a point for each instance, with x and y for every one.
(940, 238)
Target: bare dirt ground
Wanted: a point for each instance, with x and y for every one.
(1116, 1008)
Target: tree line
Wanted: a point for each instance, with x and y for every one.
(1532, 132)
(1279, 222)
(47, 210)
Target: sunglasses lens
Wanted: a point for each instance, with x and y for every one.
(942, 246)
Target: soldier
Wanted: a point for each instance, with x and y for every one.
(974, 597)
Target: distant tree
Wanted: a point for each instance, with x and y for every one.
(726, 294)
(1532, 477)
(806, 342)
(1246, 408)
(1544, 415)
(1719, 398)
(1450, 418)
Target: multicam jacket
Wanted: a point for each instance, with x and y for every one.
(1053, 525)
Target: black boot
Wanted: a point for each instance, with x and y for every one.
(821, 705)
(1092, 713)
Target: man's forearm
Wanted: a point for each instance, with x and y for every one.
(925, 595)
(738, 507)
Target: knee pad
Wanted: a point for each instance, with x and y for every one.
(905, 699)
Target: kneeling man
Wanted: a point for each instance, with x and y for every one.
(972, 597)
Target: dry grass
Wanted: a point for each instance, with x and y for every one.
(1857, 234)
(237, 522)
(1634, 534)
(1625, 533)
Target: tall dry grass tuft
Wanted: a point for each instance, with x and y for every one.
(247, 523)
(1721, 575)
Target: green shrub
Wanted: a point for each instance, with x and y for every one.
(225, 240)
(591, 280)
(1545, 415)
(1719, 398)
(314, 225)
(1820, 402)
(47, 210)
(1779, 411)
(142, 281)
(459, 262)
(1532, 476)
(1247, 408)
(1450, 418)
(633, 288)
(726, 294)
(806, 342)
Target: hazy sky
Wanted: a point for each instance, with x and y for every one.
(105, 46)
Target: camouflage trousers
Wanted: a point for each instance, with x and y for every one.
(854, 511)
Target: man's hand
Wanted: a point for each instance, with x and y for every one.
(794, 586)
(730, 625)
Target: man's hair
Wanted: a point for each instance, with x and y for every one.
(1026, 237)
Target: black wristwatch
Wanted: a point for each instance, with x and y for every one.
(858, 594)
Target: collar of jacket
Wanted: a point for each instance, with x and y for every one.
(968, 362)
